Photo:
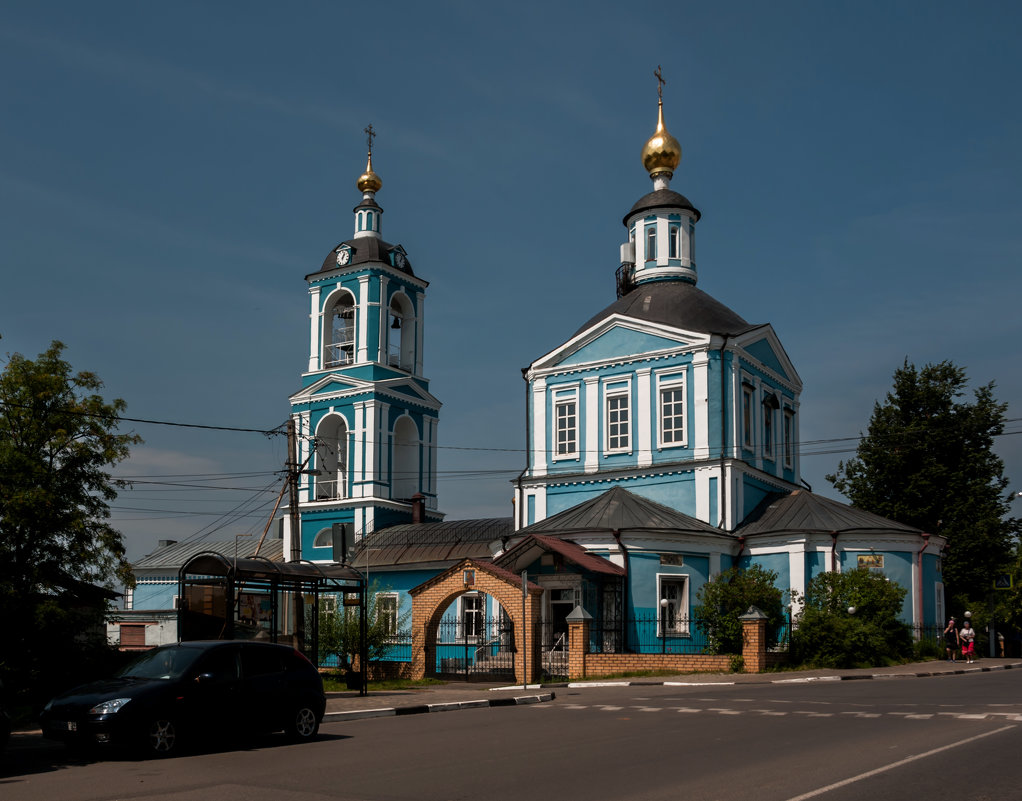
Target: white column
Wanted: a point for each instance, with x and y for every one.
(382, 341)
(662, 245)
(700, 417)
(539, 427)
(644, 420)
(702, 490)
(372, 445)
(420, 328)
(315, 329)
(381, 438)
(358, 457)
(714, 564)
(362, 345)
(797, 572)
(304, 430)
(591, 398)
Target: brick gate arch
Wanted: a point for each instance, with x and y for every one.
(431, 599)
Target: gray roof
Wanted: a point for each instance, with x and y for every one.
(174, 556)
(659, 199)
(363, 250)
(421, 543)
(617, 509)
(675, 303)
(803, 511)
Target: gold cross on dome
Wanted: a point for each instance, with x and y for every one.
(370, 135)
(659, 82)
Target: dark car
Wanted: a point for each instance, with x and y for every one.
(177, 694)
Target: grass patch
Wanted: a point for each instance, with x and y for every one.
(335, 684)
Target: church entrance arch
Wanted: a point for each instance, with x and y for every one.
(508, 639)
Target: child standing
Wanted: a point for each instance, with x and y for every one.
(967, 636)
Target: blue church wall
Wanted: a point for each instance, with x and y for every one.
(898, 567)
(314, 522)
(643, 610)
(762, 351)
(753, 491)
(155, 596)
(677, 492)
(777, 562)
(816, 563)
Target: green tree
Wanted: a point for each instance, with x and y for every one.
(928, 461)
(851, 620)
(727, 596)
(57, 445)
(340, 634)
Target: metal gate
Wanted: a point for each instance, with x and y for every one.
(475, 649)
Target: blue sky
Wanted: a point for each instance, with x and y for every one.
(171, 173)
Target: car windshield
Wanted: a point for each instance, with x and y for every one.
(162, 663)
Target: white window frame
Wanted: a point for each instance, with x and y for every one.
(681, 627)
(392, 612)
(748, 416)
(673, 382)
(461, 632)
(324, 538)
(651, 242)
(613, 392)
(339, 353)
(561, 400)
(769, 413)
(674, 241)
(788, 430)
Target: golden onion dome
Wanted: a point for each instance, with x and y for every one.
(369, 181)
(662, 152)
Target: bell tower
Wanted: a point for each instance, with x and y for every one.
(366, 421)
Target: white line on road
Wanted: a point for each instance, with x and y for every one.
(893, 765)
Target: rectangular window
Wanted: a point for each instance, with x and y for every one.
(672, 415)
(651, 244)
(768, 431)
(471, 616)
(789, 438)
(674, 249)
(747, 421)
(618, 423)
(386, 611)
(672, 616)
(566, 423)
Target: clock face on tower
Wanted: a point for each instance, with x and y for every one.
(343, 256)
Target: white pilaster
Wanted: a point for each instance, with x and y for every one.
(358, 458)
(372, 444)
(381, 437)
(539, 427)
(362, 346)
(420, 317)
(591, 443)
(644, 418)
(315, 329)
(382, 333)
(702, 490)
(797, 572)
(700, 417)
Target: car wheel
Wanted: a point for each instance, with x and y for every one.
(161, 737)
(303, 724)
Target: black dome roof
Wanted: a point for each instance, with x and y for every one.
(675, 303)
(659, 199)
(366, 249)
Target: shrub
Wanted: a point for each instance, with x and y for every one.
(728, 596)
(828, 635)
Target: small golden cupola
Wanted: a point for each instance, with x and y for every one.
(368, 213)
(661, 154)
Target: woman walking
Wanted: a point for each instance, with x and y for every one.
(951, 641)
(967, 636)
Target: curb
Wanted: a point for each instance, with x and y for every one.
(450, 706)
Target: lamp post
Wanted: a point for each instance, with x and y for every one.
(663, 625)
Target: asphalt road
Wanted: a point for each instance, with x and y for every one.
(952, 737)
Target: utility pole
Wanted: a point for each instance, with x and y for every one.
(292, 484)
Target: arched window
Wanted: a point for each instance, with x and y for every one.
(400, 334)
(369, 221)
(339, 336)
(324, 538)
(332, 458)
(405, 464)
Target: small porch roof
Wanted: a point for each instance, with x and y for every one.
(528, 550)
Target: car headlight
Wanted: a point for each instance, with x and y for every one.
(109, 707)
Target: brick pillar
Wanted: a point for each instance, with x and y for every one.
(754, 640)
(578, 642)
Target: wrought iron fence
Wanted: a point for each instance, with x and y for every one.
(475, 647)
(553, 642)
(646, 634)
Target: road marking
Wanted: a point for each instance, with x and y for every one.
(606, 708)
(876, 771)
